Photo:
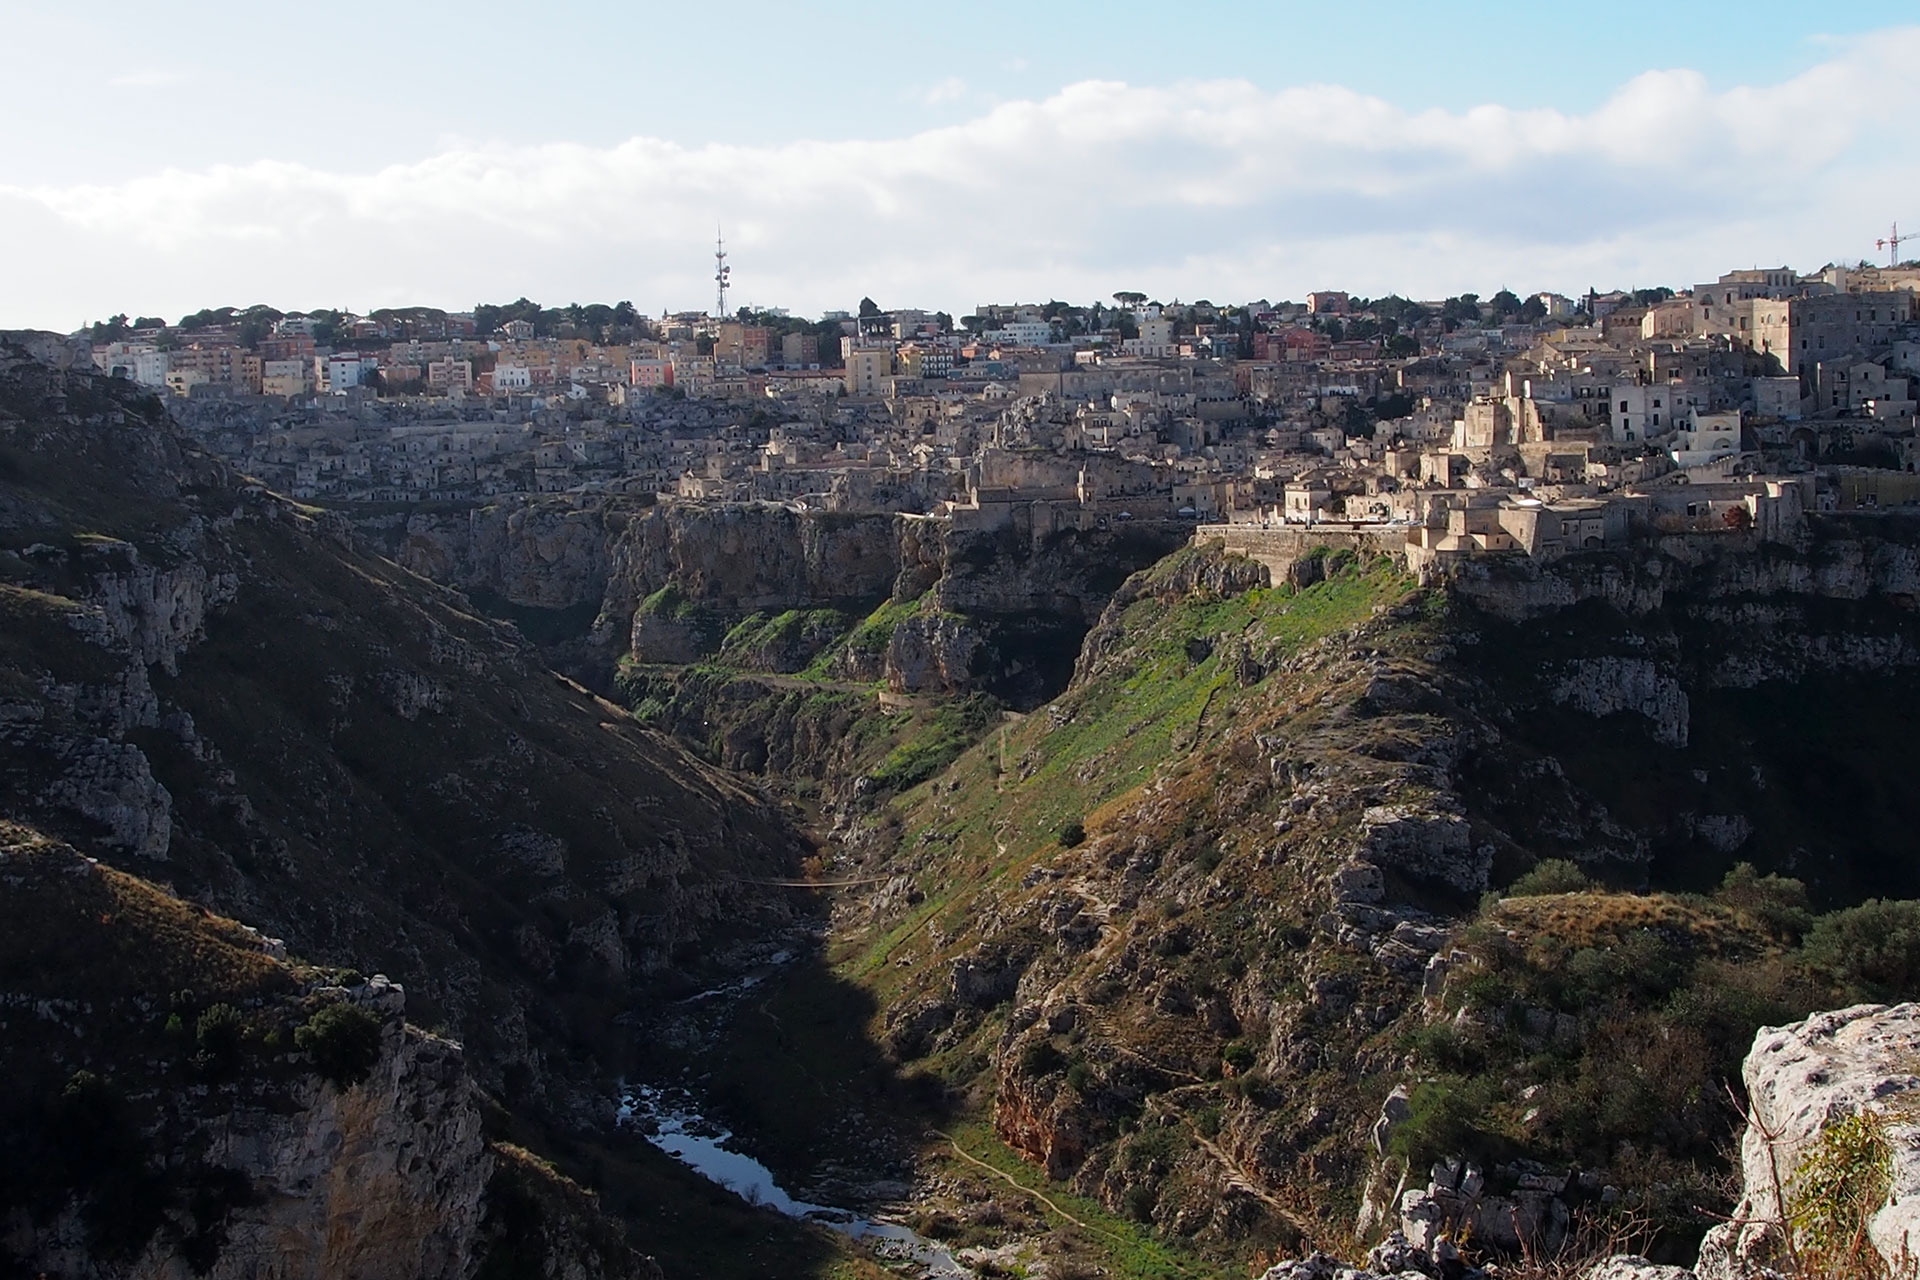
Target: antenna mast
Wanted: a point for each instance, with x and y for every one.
(721, 274)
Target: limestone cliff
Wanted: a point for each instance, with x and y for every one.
(585, 576)
(170, 1113)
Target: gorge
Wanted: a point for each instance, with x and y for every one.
(1087, 900)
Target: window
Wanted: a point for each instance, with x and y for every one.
(1623, 406)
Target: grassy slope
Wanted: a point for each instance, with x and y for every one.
(999, 810)
(1211, 945)
(1151, 724)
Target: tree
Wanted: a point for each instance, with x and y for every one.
(1401, 312)
(1128, 326)
(1403, 344)
(1505, 303)
(944, 321)
(112, 329)
(1533, 310)
(255, 327)
(1128, 298)
(206, 319)
(1874, 947)
(974, 325)
(343, 1040)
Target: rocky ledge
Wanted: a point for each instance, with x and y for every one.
(1830, 1163)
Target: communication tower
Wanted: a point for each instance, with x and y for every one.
(722, 275)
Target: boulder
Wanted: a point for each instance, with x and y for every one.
(1426, 845)
(1628, 1266)
(1801, 1079)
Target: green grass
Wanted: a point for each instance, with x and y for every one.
(1124, 1246)
(934, 740)
(757, 636)
(670, 602)
(871, 637)
(1150, 704)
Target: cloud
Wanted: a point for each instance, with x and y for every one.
(1212, 188)
(952, 89)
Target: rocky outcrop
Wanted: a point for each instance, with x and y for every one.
(1802, 1080)
(382, 1179)
(934, 653)
(1425, 845)
(111, 783)
(1847, 559)
(320, 1136)
(1603, 686)
(539, 553)
(1002, 614)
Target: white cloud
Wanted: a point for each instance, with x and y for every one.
(952, 89)
(1216, 188)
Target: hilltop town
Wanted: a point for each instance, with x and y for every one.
(1435, 430)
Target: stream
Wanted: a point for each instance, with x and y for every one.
(670, 1120)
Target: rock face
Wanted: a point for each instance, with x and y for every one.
(545, 554)
(1003, 614)
(243, 1159)
(381, 1180)
(1602, 686)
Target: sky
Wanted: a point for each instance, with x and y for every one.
(160, 159)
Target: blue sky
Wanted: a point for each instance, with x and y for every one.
(188, 155)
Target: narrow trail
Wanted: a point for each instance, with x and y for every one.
(812, 884)
(1238, 1177)
(1041, 1196)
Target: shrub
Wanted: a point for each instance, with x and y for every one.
(216, 1037)
(1839, 1183)
(1552, 875)
(1074, 833)
(1446, 1119)
(1239, 1055)
(1874, 946)
(1439, 1045)
(1041, 1058)
(1778, 902)
(343, 1040)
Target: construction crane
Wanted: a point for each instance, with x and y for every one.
(1892, 245)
